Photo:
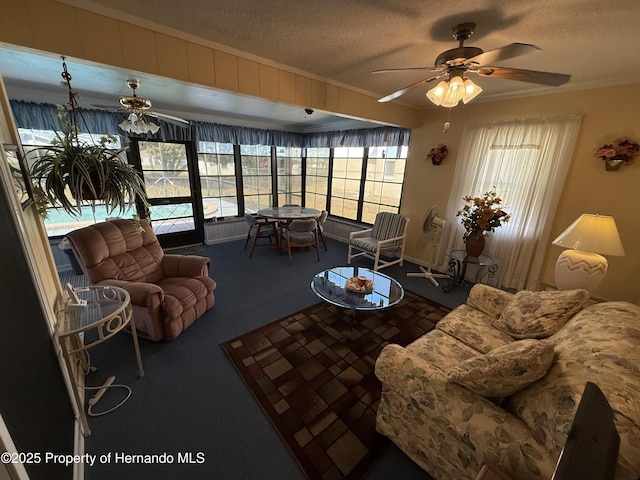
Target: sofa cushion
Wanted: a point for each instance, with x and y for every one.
(489, 300)
(440, 350)
(540, 314)
(473, 328)
(505, 370)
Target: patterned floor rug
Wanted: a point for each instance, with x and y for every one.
(313, 376)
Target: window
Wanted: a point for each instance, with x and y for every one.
(354, 183)
(317, 178)
(166, 172)
(527, 162)
(256, 177)
(383, 181)
(217, 167)
(346, 179)
(365, 181)
(289, 181)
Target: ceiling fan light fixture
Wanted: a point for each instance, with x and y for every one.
(454, 93)
(449, 93)
(137, 124)
(436, 94)
(151, 127)
(471, 91)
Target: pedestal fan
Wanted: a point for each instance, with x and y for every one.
(431, 226)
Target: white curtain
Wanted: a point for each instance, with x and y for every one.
(527, 162)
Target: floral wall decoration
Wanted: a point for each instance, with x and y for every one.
(438, 153)
(622, 151)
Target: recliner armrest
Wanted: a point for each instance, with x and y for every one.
(174, 265)
(140, 292)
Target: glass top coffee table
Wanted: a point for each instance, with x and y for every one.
(330, 286)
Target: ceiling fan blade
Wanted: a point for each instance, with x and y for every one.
(404, 90)
(393, 70)
(169, 118)
(503, 53)
(532, 76)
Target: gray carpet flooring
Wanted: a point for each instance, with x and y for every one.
(191, 409)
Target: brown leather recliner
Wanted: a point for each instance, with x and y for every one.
(168, 292)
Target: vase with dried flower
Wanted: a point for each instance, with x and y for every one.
(479, 216)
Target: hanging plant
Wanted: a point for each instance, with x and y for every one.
(70, 171)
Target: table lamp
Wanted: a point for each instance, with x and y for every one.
(587, 239)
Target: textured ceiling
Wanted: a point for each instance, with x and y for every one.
(342, 41)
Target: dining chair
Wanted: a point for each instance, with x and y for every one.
(301, 234)
(321, 220)
(282, 225)
(260, 228)
(386, 237)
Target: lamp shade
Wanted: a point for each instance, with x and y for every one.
(592, 233)
(587, 239)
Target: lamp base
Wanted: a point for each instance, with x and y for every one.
(578, 269)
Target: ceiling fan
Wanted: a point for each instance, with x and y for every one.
(137, 108)
(456, 62)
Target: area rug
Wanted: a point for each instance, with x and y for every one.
(314, 378)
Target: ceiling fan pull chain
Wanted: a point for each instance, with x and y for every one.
(447, 123)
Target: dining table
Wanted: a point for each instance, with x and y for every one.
(285, 215)
(288, 214)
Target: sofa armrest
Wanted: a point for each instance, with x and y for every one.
(174, 265)
(488, 299)
(470, 429)
(139, 292)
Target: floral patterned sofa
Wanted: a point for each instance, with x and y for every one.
(500, 377)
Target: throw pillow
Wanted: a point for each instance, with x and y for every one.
(540, 314)
(505, 370)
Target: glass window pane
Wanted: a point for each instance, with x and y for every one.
(384, 181)
(289, 179)
(316, 201)
(163, 156)
(217, 167)
(172, 218)
(254, 203)
(317, 178)
(256, 176)
(337, 189)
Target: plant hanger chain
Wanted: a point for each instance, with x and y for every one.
(72, 105)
